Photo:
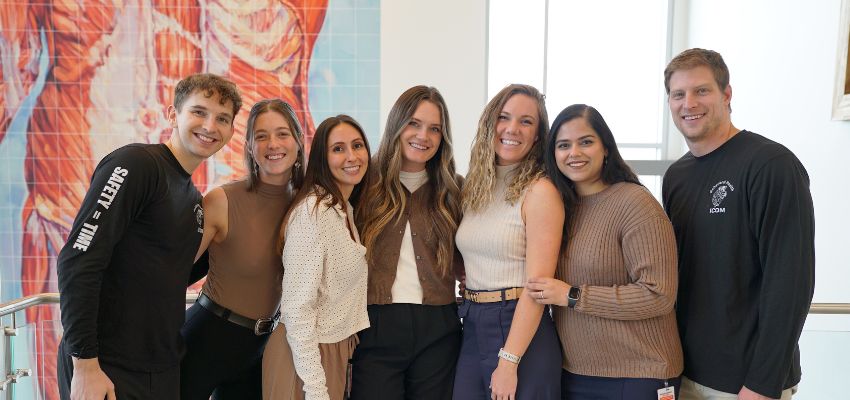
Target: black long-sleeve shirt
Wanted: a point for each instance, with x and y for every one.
(123, 271)
(744, 224)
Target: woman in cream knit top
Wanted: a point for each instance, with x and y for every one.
(510, 232)
(617, 277)
(324, 265)
(493, 240)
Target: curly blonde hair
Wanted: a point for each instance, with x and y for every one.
(481, 180)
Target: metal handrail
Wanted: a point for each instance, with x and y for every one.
(11, 307)
(23, 303)
(52, 298)
(27, 302)
(829, 308)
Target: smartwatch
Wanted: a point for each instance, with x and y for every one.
(572, 296)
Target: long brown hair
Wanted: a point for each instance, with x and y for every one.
(285, 110)
(319, 180)
(385, 199)
(481, 179)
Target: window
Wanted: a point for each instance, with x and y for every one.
(609, 54)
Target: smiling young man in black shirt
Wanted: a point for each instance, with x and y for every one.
(744, 222)
(124, 269)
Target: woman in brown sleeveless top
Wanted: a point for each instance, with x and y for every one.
(226, 330)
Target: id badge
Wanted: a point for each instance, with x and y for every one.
(667, 393)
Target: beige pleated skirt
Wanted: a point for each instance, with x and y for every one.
(280, 382)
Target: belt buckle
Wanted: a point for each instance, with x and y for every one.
(264, 326)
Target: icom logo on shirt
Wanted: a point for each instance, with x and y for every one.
(199, 217)
(718, 193)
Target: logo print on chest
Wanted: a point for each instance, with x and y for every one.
(199, 217)
(718, 193)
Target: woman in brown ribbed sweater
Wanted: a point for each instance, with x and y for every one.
(617, 275)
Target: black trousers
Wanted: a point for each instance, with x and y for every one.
(222, 359)
(408, 352)
(129, 385)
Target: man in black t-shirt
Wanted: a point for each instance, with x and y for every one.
(124, 269)
(744, 222)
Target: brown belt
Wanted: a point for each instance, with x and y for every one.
(492, 296)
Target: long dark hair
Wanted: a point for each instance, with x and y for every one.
(319, 179)
(614, 169)
(385, 201)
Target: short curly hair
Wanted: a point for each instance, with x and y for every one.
(210, 84)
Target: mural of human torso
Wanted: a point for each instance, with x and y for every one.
(102, 73)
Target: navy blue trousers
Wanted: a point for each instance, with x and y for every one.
(485, 330)
(582, 387)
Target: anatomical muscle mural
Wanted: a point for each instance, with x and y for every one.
(80, 78)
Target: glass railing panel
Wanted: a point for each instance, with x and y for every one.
(22, 350)
(825, 361)
(49, 334)
(34, 347)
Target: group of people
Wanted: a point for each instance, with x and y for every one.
(576, 284)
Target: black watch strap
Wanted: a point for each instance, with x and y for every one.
(572, 296)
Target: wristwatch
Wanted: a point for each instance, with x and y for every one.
(508, 356)
(572, 296)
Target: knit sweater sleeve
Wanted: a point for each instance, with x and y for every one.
(649, 251)
(303, 261)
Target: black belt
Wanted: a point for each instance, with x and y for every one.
(262, 326)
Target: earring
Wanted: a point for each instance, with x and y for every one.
(297, 164)
(605, 161)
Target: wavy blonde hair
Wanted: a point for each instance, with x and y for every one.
(384, 199)
(481, 179)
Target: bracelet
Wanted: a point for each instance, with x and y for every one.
(503, 354)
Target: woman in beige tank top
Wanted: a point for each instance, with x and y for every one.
(226, 330)
(510, 231)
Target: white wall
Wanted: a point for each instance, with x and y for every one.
(782, 58)
(781, 54)
(440, 43)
